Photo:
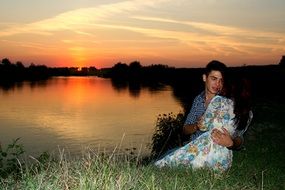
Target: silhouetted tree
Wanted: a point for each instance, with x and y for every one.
(8, 70)
(20, 65)
(134, 70)
(135, 65)
(92, 71)
(6, 62)
(282, 61)
(36, 72)
(120, 70)
(19, 71)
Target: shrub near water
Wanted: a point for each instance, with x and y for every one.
(9, 159)
(168, 133)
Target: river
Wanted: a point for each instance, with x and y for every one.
(75, 113)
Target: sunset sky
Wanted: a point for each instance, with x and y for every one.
(179, 33)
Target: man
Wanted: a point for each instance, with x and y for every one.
(214, 82)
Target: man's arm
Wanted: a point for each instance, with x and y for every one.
(192, 122)
(189, 129)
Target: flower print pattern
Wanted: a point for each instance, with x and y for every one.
(203, 152)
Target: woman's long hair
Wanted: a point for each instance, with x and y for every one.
(239, 90)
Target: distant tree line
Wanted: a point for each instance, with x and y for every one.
(10, 72)
(136, 72)
(181, 79)
(15, 72)
(121, 71)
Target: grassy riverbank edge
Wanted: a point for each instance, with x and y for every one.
(259, 166)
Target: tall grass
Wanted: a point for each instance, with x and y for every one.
(98, 171)
(260, 165)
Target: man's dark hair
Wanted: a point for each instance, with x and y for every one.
(216, 66)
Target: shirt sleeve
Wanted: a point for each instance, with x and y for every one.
(192, 115)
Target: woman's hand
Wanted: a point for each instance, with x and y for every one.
(222, 138)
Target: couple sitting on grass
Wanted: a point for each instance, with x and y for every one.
(217, 121)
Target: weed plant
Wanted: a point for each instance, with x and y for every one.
(9, 159)
(168, 133)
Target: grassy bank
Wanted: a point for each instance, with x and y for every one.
(99, 172)
(259, 166)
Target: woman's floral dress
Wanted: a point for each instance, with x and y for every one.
(203, 152)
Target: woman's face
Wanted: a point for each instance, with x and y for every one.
(214, 82)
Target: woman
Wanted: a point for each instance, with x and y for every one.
(230, 112)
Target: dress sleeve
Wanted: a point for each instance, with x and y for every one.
(228, 115)
(220, 114)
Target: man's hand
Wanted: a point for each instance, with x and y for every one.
(222, 138)
(189, 129)
(200, 124)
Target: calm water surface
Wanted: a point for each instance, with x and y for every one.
(73, 113)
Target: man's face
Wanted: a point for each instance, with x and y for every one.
(213, 82)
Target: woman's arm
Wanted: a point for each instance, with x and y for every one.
(235, 142)
(223, 138)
